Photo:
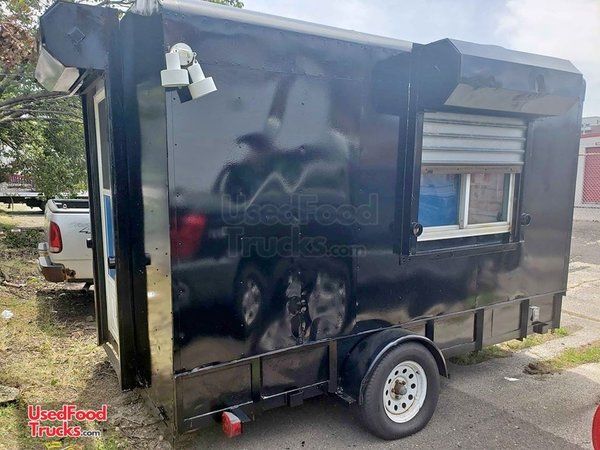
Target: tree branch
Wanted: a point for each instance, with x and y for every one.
(7, 78)
(29, 98)
(32, 111)
(35, 119)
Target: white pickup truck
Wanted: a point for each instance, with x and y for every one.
(65, 255)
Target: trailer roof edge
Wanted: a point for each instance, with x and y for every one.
(267, 20)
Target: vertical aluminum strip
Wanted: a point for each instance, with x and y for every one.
(157, 244)
(468, 139)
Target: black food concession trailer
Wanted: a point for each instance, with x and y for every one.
(282, 209)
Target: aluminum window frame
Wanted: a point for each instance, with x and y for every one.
(463, 228)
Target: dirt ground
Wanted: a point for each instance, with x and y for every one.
(21, 216)
(48, 351)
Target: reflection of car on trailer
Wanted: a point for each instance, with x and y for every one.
(341, 215)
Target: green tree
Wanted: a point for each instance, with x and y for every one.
(41, 132)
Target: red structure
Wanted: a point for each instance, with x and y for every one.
(591, 175)
(587, 195)
(596, 430)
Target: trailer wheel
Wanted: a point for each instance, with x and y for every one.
(251, 295)
(401, 393)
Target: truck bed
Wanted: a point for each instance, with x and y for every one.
(73, 262)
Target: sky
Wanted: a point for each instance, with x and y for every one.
(568, 29)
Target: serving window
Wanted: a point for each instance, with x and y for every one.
(470, 170)
(469, 204)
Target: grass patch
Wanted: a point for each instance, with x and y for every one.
(22, 239)
(8, 425)
(485, 354)
(6, 222)
(506, 349)
(48, 351)
(568, 359)
(535, 339)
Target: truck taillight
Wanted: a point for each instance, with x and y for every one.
(232, 424)
(187, 235)
(54, 239)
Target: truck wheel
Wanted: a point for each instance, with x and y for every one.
(251, 296)
(401, 393)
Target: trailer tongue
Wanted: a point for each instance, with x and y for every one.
(282, 209)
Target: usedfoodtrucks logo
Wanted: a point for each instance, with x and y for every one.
(58, 423)
(240, 215)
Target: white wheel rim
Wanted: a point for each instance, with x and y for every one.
(404, 391)
(251, 301)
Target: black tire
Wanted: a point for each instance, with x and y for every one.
(251, 274)
(372, 409)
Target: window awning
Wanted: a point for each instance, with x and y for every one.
(458, 74)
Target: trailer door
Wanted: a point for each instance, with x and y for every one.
(106, 210)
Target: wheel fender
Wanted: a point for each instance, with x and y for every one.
(363, 357)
